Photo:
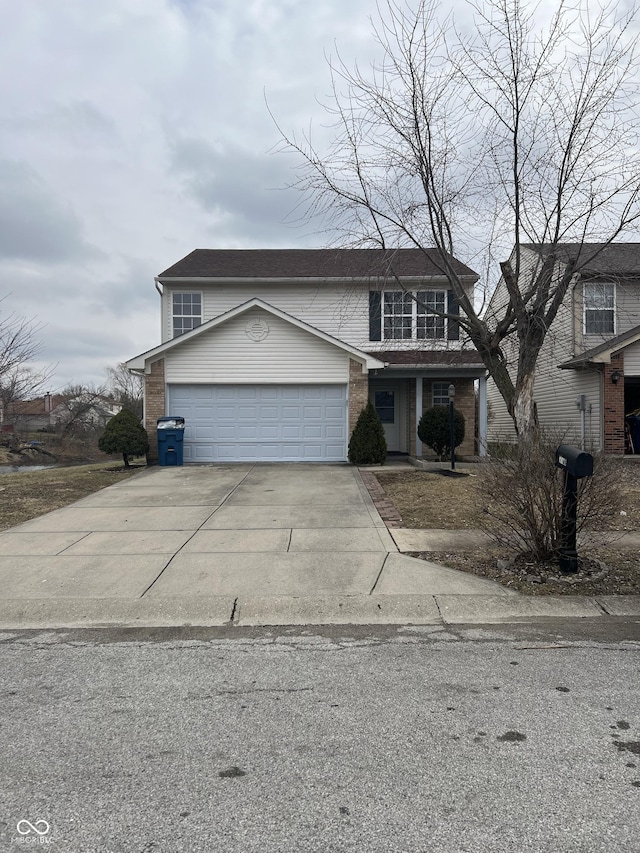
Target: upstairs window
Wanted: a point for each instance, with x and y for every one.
(416, 316)
(599, 308)
(187, 312)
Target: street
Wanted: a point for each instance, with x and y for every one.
(481, 738)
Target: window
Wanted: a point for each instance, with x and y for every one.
(398, 315)
(384, 406)
(187, 312)
(599, 308)
(440, 394)
(414, 315)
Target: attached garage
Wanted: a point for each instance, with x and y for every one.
(262, 423)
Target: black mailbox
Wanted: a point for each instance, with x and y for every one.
(574, 461)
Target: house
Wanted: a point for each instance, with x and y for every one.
(86, 410)
(588, 374)
(272, 354)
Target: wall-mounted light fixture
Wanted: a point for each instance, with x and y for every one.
(616, 375)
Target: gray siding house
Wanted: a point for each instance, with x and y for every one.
(587, 380)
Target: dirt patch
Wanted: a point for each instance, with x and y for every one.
(26, 495)
(427, 500)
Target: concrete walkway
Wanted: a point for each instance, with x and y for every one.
(240, 544)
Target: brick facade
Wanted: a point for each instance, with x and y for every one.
(613, 405)
(358, 392)
(154, 404)
(465, 402)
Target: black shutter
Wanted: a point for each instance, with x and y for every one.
(453, 307)
(375, 316)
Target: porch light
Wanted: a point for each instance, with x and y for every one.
(452, 391)
(615, 376)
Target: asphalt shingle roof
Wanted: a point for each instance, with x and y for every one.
(311, 263)
(618, 259)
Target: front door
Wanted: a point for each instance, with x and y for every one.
(385, 402)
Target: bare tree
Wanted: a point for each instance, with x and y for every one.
(19, 347)
(83, 407)
(510, 131)
(126, 388)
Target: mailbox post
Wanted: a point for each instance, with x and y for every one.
(576, 464)
(452, 427)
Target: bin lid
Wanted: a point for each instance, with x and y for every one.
(170, 423)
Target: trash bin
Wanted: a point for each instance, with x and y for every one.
(170, 433)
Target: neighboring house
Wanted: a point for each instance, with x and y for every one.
(588, 374)
(54, 411)
(272, 354)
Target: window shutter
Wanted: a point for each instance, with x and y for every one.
(375, 316)
(453, 307)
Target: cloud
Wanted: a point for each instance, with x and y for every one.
(34, 224)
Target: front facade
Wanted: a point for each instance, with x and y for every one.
(587, 382)
(270, 355)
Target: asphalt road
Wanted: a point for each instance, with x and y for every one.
(497, 738)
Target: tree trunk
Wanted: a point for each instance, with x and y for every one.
(126, 460)
(524, 410)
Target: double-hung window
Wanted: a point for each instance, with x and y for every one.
(440, 394)
(187, 312)
(599, 308)
(415, 316)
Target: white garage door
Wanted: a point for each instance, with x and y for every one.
(240, 423)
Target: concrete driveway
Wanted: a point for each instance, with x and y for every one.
(258, 544)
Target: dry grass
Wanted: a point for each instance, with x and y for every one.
(428, 500)
(28, 494)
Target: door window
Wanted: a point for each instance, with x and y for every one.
(385, 406)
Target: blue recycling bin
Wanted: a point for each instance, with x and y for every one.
(170, 432)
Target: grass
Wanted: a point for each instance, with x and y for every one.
(26, 495)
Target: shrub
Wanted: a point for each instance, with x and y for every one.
(124, 434)
(368, 445)
(433, 429)
(523, 491)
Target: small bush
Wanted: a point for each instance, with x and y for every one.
(124, 434)
(523, 491)
(368, 445)
(433, 429)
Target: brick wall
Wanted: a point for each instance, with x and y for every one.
(465, 402)
(154, 404)
(358, 392)
(613, 405)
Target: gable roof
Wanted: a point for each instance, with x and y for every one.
(138, 363)
(602, 353)
(616, 259)
(313, 263)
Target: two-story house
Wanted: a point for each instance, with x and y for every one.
(272, 354)
(588, 374)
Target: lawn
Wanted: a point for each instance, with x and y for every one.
(28, 494)
(426, 500)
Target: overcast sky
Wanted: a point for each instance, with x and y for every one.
(134, 131)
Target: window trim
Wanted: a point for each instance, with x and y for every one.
(175, 293)
(440, 396)
(613, 309)
(418, 309)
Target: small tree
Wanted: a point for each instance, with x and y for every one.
(433, 429)
(124, 434)
(368, 445)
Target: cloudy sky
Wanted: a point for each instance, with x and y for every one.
(134, 131)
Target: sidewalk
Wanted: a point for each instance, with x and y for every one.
(245, 545)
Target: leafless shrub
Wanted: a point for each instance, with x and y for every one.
(523, 492)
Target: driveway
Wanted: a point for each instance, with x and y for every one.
(220, 542)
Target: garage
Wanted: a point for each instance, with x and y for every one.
(262, 423)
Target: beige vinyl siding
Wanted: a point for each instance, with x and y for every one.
(286, 355)
(632, 360)
(340, 310)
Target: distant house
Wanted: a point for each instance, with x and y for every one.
(587, 381)
(54, 411)
(271, 354)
